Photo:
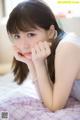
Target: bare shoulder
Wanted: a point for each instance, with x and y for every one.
(67, 66)
(67, 48)
(67, 58)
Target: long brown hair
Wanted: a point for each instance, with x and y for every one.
(28, 15)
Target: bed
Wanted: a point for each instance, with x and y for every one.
(22, 103)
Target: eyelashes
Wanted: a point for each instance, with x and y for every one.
(17, 36)
(31, 34)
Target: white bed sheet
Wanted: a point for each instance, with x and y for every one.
(9, 88)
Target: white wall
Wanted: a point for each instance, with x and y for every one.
(0, 8)
(5, 45)
(71, 24)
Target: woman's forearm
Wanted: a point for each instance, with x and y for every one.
(44, 85)
(33, 74)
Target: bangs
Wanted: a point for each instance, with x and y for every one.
(21, 20)
(27, 16)
(16, 25)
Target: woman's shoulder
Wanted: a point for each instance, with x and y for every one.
(69, 44)
(67, 53)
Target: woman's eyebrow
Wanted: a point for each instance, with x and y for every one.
(31, 30)
(15, 34)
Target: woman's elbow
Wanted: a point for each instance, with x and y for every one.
(55, 108)
(55, 105)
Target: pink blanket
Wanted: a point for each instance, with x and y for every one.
(27, 108)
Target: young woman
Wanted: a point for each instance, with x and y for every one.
(45, 51)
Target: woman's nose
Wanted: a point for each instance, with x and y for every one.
(25, 49)
(24, 46)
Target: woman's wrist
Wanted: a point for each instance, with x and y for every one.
(33, 75)
(38, 64)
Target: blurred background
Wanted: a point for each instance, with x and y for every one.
(67, 13)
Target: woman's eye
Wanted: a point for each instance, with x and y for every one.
(16, 36)
(30, 34)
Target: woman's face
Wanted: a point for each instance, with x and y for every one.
(25, 41)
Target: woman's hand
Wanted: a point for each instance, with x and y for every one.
(22, 58)
(41, 51)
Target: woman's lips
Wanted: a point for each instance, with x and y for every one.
(28, 55)
(25, 54)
